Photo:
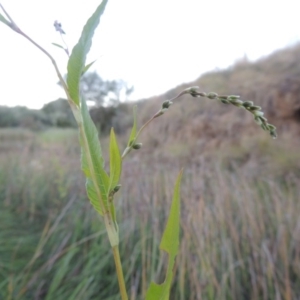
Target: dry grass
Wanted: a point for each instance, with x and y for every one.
(240, 199)
(272, 83)
(240, 223)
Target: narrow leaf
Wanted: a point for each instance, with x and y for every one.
(85, 69)
(133, 130)
(92, 162)
(170, 244)
(58, 45)
(61, 272)
(78, 56)
(115, 161)
(3, 20)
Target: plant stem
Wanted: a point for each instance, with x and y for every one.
(159, 113)
(18, 30)
(156, 115)
(117, 259)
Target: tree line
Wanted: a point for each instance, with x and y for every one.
(106, 108)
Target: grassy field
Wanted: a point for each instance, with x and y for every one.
(240, 235)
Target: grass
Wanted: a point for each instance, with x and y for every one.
(240, 224)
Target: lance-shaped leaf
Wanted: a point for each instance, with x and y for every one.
(85, 69)
(133, 130)
(58, 45)
(77, 59)
(115, 161)
(170, 244)
(92, 162)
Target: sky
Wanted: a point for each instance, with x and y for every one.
(153, 45)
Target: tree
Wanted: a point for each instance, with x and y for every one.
(103, 92)
(59, 113)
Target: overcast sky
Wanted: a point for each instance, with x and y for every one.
(152, 44)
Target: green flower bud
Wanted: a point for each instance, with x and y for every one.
(234, 97)
(258, 120)
(167, 104)
(247, 104)
(258, 113)
(264, 126)
(273, 134)
(192, 89)
(225, 101)
(271, 127)
(238, 103)
(137, 146)
(254, 107)
(264, 119)
(212, 95)
(116, 188)
(223, 97)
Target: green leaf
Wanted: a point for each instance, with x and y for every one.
(87, 67)
(3, 20)
(133, 130)
(58, 45)
(92, 163)
(170, 244)
(61, 272)
(77, 59)
(115, 161)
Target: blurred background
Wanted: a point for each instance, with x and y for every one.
(240, 236)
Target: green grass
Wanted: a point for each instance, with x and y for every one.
(58, 135)
(240, 225)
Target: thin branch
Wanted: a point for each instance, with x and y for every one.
(7, 15)
(19, 31)
(66, 49)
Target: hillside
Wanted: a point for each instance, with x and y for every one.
(239, 195)
(272, 83)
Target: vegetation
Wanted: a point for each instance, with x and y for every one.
(105, 111)
(272, 82)
(240, 215)
(240, 224)
(102, 186)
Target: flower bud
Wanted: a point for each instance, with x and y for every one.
(258, 113)
(254, 107)
(166, 104)
(234, 97)
(190, 90)
(225, 101)
(237, 103)
(264, 126)
(271, 127)
(258, 120)
(273, 134)
(212, 95)
(263, 119)
(116, 188)
(248, 104)
(223, 97)
(137, 146)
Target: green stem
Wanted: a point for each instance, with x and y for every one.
(159, 113)
(121, 280)
(111, 229)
